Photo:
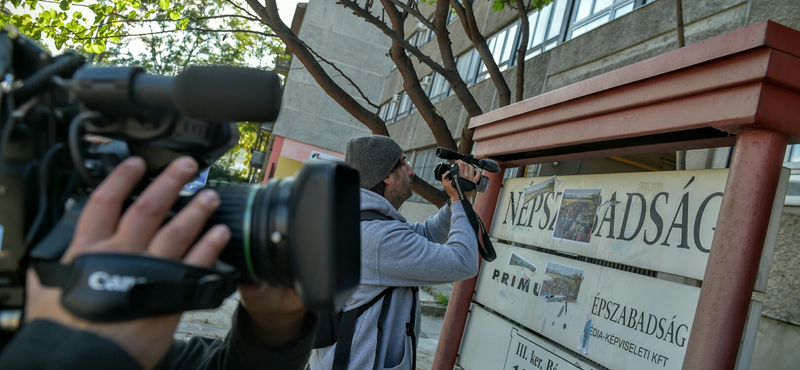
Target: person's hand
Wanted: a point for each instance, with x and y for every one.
(140, 229)
(465, 171)
(278, 313)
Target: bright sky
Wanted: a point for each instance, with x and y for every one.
(285, 10)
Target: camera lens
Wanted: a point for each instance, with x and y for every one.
(301, 233)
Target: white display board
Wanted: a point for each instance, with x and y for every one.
(662, 221)
(615, 318)
(492, 342)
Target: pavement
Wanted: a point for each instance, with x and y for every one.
(216, 323)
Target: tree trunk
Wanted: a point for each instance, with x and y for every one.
(429, 192)
(429, 113)
(523, 48)
(269, 15)
(471, 27)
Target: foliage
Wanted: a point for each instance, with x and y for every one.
(442, 299)
(221, 174)
(169, 35)
(498, 5)
(161, 36)
(241, 153)
(168, 47)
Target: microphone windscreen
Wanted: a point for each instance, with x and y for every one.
(490, 165)
(223, 93)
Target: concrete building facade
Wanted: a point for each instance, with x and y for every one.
(572, 40)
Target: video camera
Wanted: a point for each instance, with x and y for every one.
(484, 164)
(301, 232)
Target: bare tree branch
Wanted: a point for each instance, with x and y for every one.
(243, 9)
(319, 58)
(522, 9)
(429, 113)
(415, 12)
(175, 30)
(448, 71)
(460, 89)
(471, 27)
(269, 16)
(124, 19)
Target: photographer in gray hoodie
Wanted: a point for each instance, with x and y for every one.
(395, 253)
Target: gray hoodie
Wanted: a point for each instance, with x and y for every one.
(404, 255)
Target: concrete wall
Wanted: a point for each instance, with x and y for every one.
(308, 114)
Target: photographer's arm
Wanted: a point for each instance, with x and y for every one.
(437, 227)
(138, 343)
(241, 350)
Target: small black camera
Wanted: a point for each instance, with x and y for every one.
(439, 174)
(484, 164)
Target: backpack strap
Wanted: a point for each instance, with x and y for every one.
(387, 301)
(347, 328)
(411, 325)
(370, 214)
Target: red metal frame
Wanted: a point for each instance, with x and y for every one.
(740, 88)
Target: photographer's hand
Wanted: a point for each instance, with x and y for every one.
(467, 172)
(278, 314)
(140, 229)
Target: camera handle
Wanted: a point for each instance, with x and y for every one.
(485, 247)
(110, 287)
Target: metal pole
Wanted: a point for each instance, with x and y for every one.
(736, 250)
(460, 298)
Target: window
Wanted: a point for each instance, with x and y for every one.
(383, 112)
(439, 88)
(502, 45)
(467, 65)
(421, 36)
(405, 105)
(425, 162)
(451, 16)
(510, 173)
(792, 161)
(545, 28)
(590, 14)
(388, 111)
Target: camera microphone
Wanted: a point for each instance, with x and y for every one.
(485, 164)
(224, 93)
(213, 94)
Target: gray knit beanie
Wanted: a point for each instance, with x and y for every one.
(374, 157)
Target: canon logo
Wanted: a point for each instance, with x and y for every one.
(101, 280)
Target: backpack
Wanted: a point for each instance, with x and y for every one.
(340, 326)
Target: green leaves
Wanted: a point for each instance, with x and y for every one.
(95, 47)
(498, 5)
(183, 24)
(64, 5)
(174, 15)
(163, 4)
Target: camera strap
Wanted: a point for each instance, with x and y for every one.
(108, 287)
(485, 246)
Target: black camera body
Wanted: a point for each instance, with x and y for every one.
(300, 232)
(442, 168)
(484, 164)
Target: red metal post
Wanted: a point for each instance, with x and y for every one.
(456, 316)
(736, 250)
